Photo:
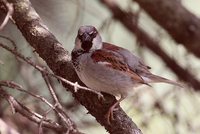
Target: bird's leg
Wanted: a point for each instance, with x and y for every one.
(112, 108)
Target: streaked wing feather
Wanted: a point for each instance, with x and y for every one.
(135, 64)
(114, 61)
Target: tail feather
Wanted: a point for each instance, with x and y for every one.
(155, 79)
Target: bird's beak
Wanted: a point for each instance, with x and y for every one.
(86, 38)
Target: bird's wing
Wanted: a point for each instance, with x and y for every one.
(115, 61)
(137, 66)
(135, 63)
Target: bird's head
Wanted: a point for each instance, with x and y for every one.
(88, 39)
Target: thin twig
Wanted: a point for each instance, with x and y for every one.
(10, 10)
(12, 84)
(58, 110)
(50, 87)
(9, 39)
(40, 130)
(66, 119)
(58, 106)
(30, 114)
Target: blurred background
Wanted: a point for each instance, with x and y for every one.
(160, 109)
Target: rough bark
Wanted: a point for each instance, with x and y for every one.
(181, 24)
(58, 60)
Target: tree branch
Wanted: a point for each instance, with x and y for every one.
(181, 24)
(58, 59)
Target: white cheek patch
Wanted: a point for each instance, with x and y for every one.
(77, 44)
(97, 43)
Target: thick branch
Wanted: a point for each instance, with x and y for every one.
(57, 58)
(182, 25)
(127, 19)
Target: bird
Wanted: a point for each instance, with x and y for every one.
(105, 67)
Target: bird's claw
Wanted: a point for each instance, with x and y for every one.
(110, 115)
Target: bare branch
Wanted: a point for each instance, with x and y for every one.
(16, 86)
(11, 41)
(8, 15)
(30, 114)
(58, 107)
(68, 123)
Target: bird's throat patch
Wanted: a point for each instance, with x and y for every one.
(86, 45)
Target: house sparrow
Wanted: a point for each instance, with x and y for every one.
(108, 68)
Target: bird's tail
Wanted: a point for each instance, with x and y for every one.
(151, 78)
